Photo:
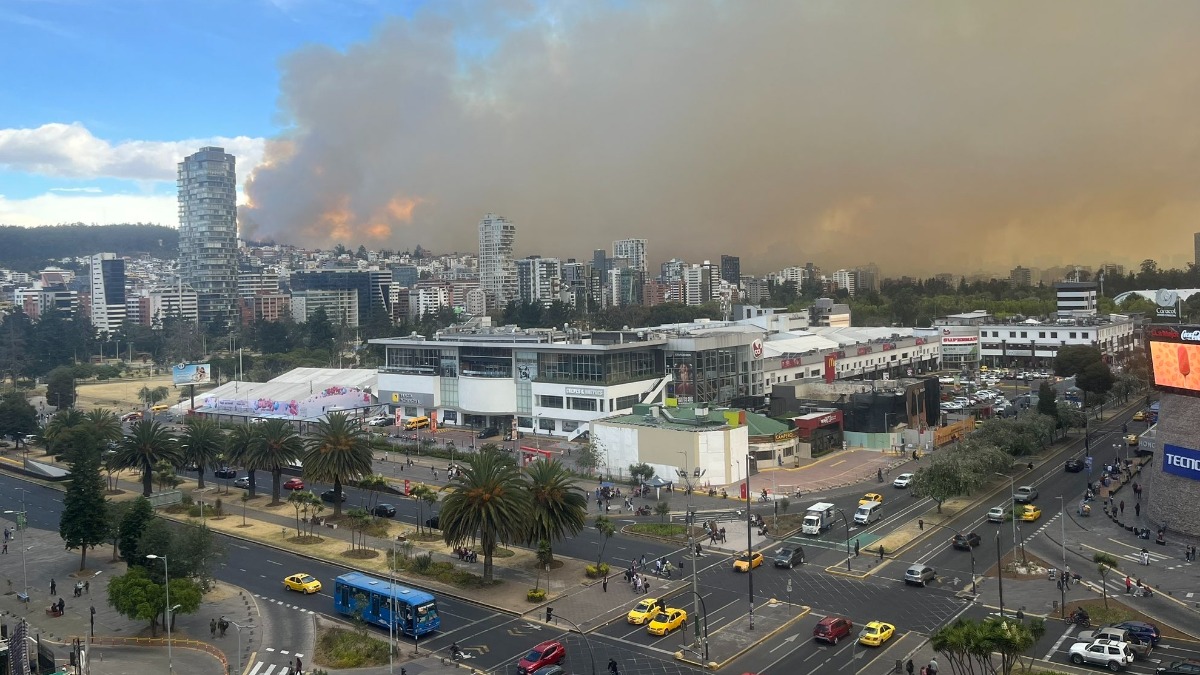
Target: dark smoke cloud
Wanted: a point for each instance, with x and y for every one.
(922, 136)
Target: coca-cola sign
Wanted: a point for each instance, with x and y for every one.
(828, 419)
(1192, 335)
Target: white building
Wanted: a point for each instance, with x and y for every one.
(497, 270)
(429, 298)
(848, 354)
(1077, 297)
(108, 292)
(539, 280)
(164, 303)
(632, 249)
(847, 280)
(1036, 343)
(208, 232)
(340, 305)
(696, 284)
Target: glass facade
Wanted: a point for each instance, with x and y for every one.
(599, 368)
(486, 361)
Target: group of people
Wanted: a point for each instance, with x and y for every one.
(82, 587)
(57, 608)
(1136, 588)
(222, 625)
(715, 534)
(466, 554)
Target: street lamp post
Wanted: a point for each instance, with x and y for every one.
(22, 521)
(999, 575)
(690, 524)
(847, 523)
(239, 628)
(749, 544)
(1012, 491)
(167, 585)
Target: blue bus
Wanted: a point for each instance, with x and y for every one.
(415, 613)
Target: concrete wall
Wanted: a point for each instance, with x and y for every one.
(1168, 498)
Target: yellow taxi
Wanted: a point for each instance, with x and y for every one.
(666, 621)
(747, 561)
(305, 583)
(870, 497)
(876, 633)
(1132, 440)
(1029, 513)
(1139, 416)
(644, 611)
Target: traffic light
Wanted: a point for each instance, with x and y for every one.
(549, 614)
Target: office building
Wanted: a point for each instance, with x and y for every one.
(845, 280)
(208, 232)
(696, 285)
(405, 275)
(731, 269)
(108, 292)
(1020, 277)
(497, 269)
(1076, 297)
(634, 250)
(340, 305)
(371, 286)
(539, 280)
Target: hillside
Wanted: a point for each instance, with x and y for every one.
(28, 249)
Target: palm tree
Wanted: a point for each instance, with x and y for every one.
(338, 451)
(105, 424)
(489, 502)
(147, 444)
(276, 445)
(373, 485)
(62, 421)
(559, 507)
(202, 444)
(238, 445)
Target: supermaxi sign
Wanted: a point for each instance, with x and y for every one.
(1183, 462)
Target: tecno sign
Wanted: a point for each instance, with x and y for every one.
(1179, 461)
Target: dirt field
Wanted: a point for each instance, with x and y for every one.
(122, 395)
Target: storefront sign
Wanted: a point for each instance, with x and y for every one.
(406, 398)
(576, 391)
(1179, 461)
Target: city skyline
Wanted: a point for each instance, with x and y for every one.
(394, 126)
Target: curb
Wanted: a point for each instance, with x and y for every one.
(786, 624)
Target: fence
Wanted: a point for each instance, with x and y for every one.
(155, 642)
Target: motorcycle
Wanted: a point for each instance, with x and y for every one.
(1079, 619)
(642, 511)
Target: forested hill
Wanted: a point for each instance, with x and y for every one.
(28, 249)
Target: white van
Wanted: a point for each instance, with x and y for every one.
(868, 513)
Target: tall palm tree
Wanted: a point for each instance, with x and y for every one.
(202, 444)
(238, 445)
(338, 451)
(488, 503)
(62, 421)
(105, 424)
(558, 506)
(147, 444)
(276, 446)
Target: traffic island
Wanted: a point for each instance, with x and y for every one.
(736, 637)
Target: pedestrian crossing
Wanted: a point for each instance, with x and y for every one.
(266, 668)
(283, 603)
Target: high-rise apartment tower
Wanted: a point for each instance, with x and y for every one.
(497, 269)
(208, 233)
(108, 292)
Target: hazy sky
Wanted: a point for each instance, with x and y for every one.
(922, 136)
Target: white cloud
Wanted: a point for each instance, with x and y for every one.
(78, 189)
(72, 151)
(53, 208)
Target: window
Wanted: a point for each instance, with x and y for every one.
(1054, 335)
(1012, 333)
(1071, 335)
(583, 404)
(1085, 335)
(550, 401)
(624, 402)
(1023, 334)
(1042, 334)
(486, 362)
(569, 425)
(410, 411)
(545, 424)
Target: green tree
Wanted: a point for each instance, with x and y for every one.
(1096, 379)
(358, 519)
(641, 472)
(151, 396)
(662, 510)
(1047, 400)
(114, 514)
(338, 451)
(590, 456)
(82, 523)
(202, 443)
(62, 422)
(276, 446)
(374, 485)
(302, 501)
(419, 492)
(17, 417)
(60, 388)
(239, 446)
(105, 425)
(559, 507)
(1105, 563)
(488, 503)
(133, 524)
(607, 528)
(136, 596)
(194, 552)
(147, 444)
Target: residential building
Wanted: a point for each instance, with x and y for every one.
(575, 283)
(405, 275)
(370, 285)
(625, 286)
(632, 249)
(1076, 297)
(1021, 277)
(755, 290)
(253, 281)
(207, 187)
(428, 297)
(497, 269)
(539, 280)
(42, 297)
(846, 280)
(157, 305)
(731, 269)
(265, 307)
(107, 292)
(655, 293)
(825, 313)
(340, 305)
(696, 285)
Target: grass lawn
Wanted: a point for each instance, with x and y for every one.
(341, 648)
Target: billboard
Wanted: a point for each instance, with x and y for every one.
(1175, 358)
(1179, 461)
(191, 373)
(682, 387)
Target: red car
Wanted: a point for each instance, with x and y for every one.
(833, 628)
(548, 653)
(294, 484)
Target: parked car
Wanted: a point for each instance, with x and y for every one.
(1147, 632)
(1074, 465)
(1025, 494)
(329, 496)
(380, 421)
(225, 472)
(903, 480)
(1112, 655)
(489, 432)
(548, 653)
(1188, 667)
(965, 542)
(831, 629)
(433, 522)
(383, 510)
(789, 557)
(919, 575)
(294, 484)
(243, 482)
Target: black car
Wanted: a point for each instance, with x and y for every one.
(225, 472)
(1146, 632)
(1074, 465)
(328, 496)
(1188, 667)
(489, 432)
(789, 557)
(433, 522)
(965, 542)
(384, 510)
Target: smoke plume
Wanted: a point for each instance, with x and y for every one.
(922, 136)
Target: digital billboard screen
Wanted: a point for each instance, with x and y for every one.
(191, 373)
(1175, 358)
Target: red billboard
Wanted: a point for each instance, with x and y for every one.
(1175, 358)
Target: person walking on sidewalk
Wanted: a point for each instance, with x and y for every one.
(1137, 509)
(1121, 507)
(933, 666)
(1128, 584)
(53, 587)
(605, 583)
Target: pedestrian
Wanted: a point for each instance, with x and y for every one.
(612, 667)
(212, 628)
(1137, 509)
(1128, 584)
(933, 666)
(643, 561)
(5, 551)
(908, 667)
(920, 524)
(1121, 507)
(605, 583)
(855, 548)
(1145, 557)
(87, 587)
(881, 552)
(646, 587)
(299, 666)
(698, 553)
(53, 587)
(637, 584)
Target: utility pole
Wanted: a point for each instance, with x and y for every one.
(689, 521)
(749, 543)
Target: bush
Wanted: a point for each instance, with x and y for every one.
(671, 530)
(186, 500)
(422, 563)
(597, 572)
(536, 595)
